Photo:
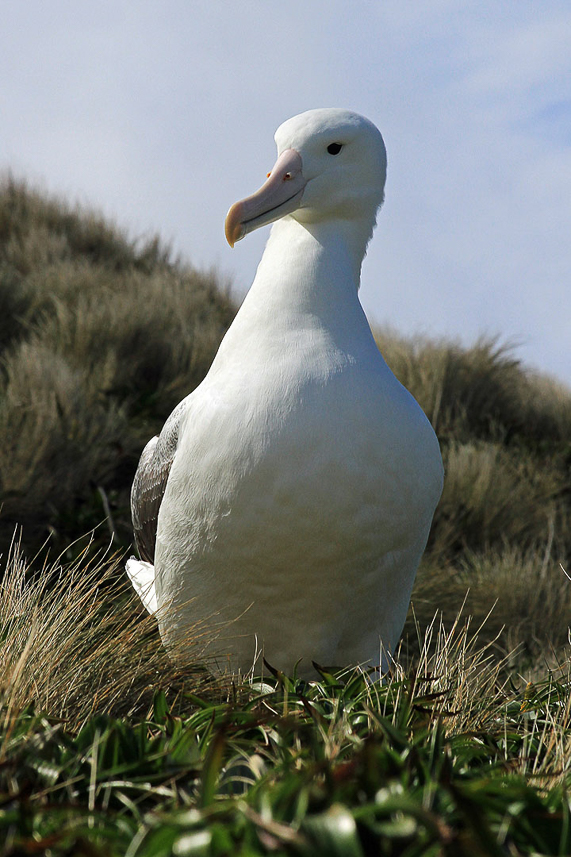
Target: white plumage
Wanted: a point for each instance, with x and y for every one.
(292, 492)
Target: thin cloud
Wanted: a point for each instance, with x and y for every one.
(163, 116)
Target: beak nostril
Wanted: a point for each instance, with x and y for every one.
(279, 195)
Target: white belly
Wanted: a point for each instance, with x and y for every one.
(296, 525)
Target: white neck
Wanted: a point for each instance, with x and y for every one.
(313, 267)
(307, 280)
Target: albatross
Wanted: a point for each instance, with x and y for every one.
(285, 506)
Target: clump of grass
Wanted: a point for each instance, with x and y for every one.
(505, 436)
(446, 758)
(75, 640)
(100, 337)
(481, 392)
(41, 237)
(503, 524)
(521, 598)
(495, 496)
(59, 442)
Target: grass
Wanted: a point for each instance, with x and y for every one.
(74, 642)
(100, 337)
(107, 748)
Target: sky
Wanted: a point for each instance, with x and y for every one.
(162, 114)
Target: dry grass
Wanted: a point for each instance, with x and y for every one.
(481, 392)
(521, 598)
(100, 337)
(57, 439)
(76, 641)
(476, 693)
(494, 496)
(449, 758)
(503, 524)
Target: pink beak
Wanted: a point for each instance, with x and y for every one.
(280, 195)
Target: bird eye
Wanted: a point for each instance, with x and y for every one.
(334, 148)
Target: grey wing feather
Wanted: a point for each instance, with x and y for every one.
(150, 483)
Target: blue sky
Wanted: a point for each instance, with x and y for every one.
(162, 114)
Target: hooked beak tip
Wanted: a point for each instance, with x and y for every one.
(233, 228)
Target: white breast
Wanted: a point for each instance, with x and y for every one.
(301, 496)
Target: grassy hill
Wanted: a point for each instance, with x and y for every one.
(106, 748)
(100, 338)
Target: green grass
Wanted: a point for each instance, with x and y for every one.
(448, 758)
(107, 748)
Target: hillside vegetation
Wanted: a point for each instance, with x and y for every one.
(502, 530)
(106, 748)
(101, 337)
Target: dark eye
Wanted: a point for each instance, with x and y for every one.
(334, 148)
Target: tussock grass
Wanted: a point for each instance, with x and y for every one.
(481, 392)
(57, 439)
(503, 524)
(523, 596)
(450, 757)
(494, 496)
(100, 337)
(107, 748)
(76, 642)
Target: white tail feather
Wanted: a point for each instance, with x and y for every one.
(142, 576)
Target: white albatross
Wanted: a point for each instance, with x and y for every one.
(286, 504)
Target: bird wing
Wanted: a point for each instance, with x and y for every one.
(150, 482)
